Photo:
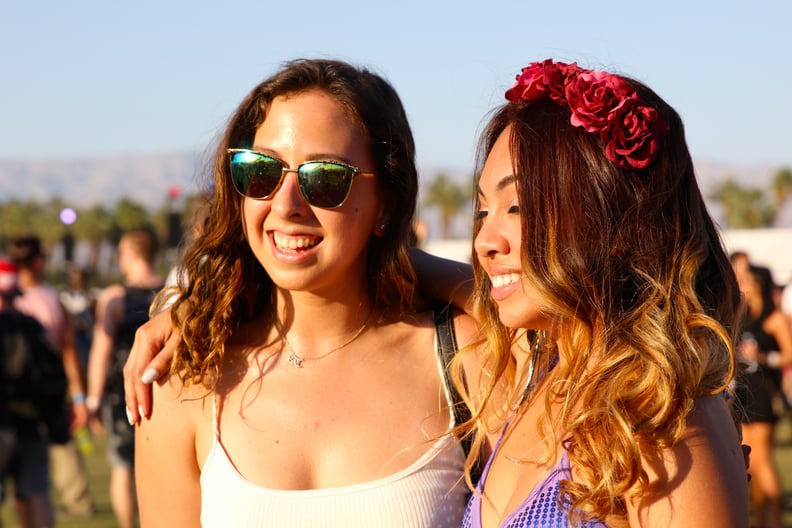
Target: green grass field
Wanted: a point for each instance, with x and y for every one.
(99, 473)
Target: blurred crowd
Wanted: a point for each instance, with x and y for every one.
(764, 389)
(62, 348)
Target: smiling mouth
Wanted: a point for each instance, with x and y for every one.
(294, 243)
(499, 281)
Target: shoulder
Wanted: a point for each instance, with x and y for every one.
(176, 405)
(466, 328)
(700, 480)
(114, 291)
(775, 322)
(111, 298)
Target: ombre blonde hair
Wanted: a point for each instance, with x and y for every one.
(631, 268)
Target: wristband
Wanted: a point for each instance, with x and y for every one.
(773, 359)
(92, 403)
(78, 398)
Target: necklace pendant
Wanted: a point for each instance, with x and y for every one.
(295, 360)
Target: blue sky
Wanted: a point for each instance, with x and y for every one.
(87, 78)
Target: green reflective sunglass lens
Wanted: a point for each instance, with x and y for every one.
(325, 184)
(254, 175)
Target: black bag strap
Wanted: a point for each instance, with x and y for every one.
(447, 344)
(446, 338)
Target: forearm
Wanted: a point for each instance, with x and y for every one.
(444, 280)
(98, 364)
(71, 364)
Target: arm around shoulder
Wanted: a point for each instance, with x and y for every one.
(166, 467)
(701, 481)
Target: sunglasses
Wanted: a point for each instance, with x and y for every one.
(324, 184)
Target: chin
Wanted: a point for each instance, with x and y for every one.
(526, 319)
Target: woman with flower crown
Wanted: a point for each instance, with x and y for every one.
(591, 231)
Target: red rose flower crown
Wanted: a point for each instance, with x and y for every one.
(601, 103)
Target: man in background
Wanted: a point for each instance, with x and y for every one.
(120, 310)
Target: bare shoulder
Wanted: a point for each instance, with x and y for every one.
(466, 329)
(167, 469)
(699, 481)
(110, 299)
(113, 291)
(176, 404)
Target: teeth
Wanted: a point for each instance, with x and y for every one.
(286, 242)
(498, 281)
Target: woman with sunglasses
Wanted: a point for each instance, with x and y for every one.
(591, 230)
(305, 389)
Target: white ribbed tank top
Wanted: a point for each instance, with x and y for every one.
(428, 494)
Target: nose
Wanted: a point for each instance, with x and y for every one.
(489, 241)
(288, 201)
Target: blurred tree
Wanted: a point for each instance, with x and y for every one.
(15, 218)
(94, 225)
(781, 186)
(743, 207)
(129, 215)
(449, 197)
(46, 224)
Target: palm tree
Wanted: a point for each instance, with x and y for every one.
(782, 187)
(94, 225)
(447, 196)
(743, 207)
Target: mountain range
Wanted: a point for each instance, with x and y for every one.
(147, 178)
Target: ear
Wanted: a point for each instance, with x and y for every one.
(382, 225)
(383, 216)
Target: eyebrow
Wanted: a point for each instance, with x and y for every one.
(502, 184)
(316, 156)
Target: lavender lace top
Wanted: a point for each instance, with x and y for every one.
(539, 510)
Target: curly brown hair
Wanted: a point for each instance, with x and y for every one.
(225, 285)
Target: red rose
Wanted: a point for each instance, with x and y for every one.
(542, 79)
(594, 97)
(633, 138)
(601, 103)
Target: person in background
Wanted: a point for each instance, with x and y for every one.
(175, 280)
(766, 347)
(39, 300)
(80, 304)
(120, 310)
(610, 309)
(32, 389)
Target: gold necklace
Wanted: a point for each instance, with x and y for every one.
(296, 360)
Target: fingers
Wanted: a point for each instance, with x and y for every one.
(143, 349)
(149, 360)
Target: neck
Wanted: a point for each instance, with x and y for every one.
(311, 318)
(141, 275)
(27, 279)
